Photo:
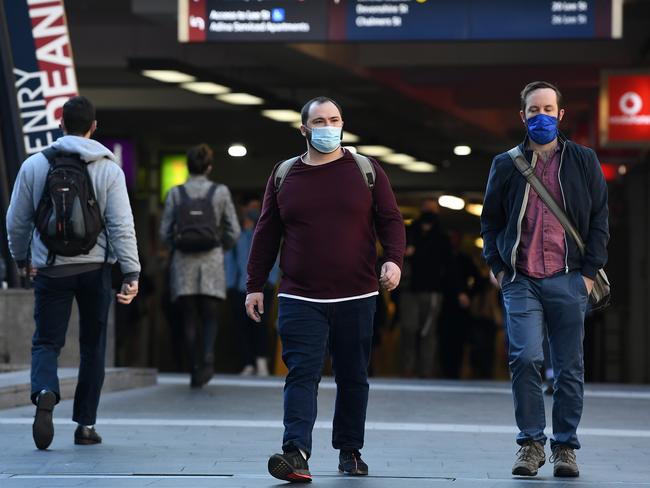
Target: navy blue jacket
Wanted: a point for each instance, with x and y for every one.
(585, 201)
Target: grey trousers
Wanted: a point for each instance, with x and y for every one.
(419, 329)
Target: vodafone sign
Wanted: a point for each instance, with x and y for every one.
(627, 119)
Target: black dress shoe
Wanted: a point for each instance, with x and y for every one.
(43, 427)
(86, 435)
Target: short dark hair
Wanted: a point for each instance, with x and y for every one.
(536, 85)
(304, 113)
(199, 159)
(78, 115)
(247, 198)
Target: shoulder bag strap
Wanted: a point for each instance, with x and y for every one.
(529, 173)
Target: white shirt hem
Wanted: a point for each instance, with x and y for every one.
(328, 300)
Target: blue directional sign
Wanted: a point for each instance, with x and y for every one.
(402, 20)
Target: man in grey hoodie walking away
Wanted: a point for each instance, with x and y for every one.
(58, 279)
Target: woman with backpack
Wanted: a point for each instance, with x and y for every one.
(199, 223)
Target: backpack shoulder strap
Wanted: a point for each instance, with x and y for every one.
(50, 153)
(363, 162)
(183, 193)
(366, 168)
(213, 189)
(281, 173)
(529, 173)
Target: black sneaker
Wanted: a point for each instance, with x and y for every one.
(350, 462)
(290, 466)
(43, 427)
(86, 435)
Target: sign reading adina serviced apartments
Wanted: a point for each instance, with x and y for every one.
(43, 67)
(626, 109)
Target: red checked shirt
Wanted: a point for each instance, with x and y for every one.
(542, 248)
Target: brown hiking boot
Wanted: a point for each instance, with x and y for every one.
(530, 458)
(564, 462)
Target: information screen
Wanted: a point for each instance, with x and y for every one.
(396, 20)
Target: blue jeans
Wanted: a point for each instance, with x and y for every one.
(52, 308)
(307, 330)
(561, 302)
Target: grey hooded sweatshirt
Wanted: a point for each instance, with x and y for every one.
(110, 189)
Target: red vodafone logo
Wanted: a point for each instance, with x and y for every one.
(630, 103)
(629, 108)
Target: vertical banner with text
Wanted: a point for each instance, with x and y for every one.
(43, 67)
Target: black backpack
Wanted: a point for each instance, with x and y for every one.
(196, 223)
(68, 217)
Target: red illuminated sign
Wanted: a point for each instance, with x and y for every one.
(193, 21)
(627, 116)
(610, 171)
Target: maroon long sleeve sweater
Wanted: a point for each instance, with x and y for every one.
(323, 215)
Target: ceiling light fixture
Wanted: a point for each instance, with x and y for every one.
(419, 167)
(281, 115)
(240, 99)
(168, 76)
(375, 151)
(398, 158)
(237, 150)
(451, 202)
(205, 88)
(462, 150)
(474, 209)
(350, 137)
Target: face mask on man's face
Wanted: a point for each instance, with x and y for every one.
(325, 139)
(542, 128)
(253, 214)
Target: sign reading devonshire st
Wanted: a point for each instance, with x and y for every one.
(625, 109)
(396, 20)
(43, 67)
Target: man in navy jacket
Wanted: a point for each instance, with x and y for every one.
(543, 276)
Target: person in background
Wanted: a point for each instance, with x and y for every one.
(428, 254)
(252, 337)
(198, 223)
(486, 318)
(460, 280)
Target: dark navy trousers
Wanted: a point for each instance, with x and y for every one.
(308, 330)
(53, 305)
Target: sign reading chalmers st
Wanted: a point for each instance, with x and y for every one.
(626, 117)
(43, 69)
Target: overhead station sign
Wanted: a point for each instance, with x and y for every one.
(43, 67)
(396, 20)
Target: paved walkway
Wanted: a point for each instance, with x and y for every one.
(419, 434)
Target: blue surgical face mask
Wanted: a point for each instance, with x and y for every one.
(325, 139)
(542, 128)
(253, 214)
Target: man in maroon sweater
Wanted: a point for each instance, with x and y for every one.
(327, 218)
